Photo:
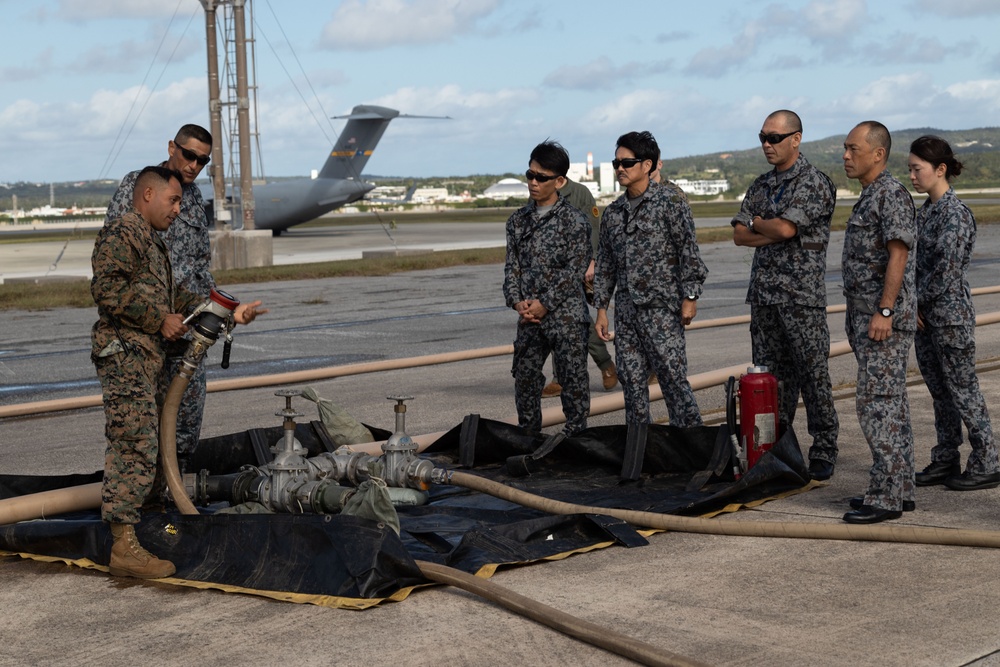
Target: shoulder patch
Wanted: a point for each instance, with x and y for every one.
(595, 212)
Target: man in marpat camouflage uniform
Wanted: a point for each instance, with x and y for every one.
(548, 250)
(648, 260)
(139, 308)
(785, 216)
(879, 283)
(190, 256)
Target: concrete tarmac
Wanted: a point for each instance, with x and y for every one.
(721, 600)
(299, 245)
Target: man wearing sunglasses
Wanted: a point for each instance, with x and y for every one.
(785, 217)
(548, 251)
(648, 259)
(190, 258)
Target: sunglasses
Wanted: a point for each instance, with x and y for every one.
(773, 138)
(539, 178)
(191, 156)
(627, 162)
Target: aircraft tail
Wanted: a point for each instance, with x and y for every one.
(365, 126)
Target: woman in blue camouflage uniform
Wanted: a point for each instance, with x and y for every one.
(946, 319)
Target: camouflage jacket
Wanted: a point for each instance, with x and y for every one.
(187, 238)
(579, 197)
(650, 252)
(884, 212)
(946, 232)
(547, 258)
(133, 287)
(794, 270)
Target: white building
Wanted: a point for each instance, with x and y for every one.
(507, 187)
(609, 182)
(428, 195)
(703, 187)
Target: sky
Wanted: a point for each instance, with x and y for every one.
(95, 88)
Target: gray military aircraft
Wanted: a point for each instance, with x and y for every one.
(286, 203)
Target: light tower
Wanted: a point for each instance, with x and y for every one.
(236, 243)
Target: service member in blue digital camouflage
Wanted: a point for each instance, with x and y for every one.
(579, 196)
(548, 250)
(878, 270)
(946, 324)
(139, 308)
(190, 256)
(648, 260)
(785, 217)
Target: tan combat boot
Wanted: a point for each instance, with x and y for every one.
(129, 559)
(609, 376)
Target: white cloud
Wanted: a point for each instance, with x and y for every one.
(131, 55)
(80, 138)
(915, 100)
(898, 94)
(365, 25)
(452, 99)
(985, 91)
(95, 10)
(602, 74)
(717, 61)
(673, 36)
(824, 20)
(958, 8)
(34, 70)
(908, 48)
(654, 110)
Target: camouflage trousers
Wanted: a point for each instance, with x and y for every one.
(651, 339)
(794, 343)
(884, 411)
(597, 349)
(946, 356)
(192, 406)
(567, 342)
(129, 385)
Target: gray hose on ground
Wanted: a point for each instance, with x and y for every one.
(568, 624)
(813, 531)
(168, 443)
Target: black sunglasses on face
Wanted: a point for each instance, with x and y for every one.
(540, 178)
(191, 156)
(627, 162)
(773, 138)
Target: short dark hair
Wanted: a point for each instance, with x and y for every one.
(878, 135)
(552, 156)
(154, 176)
(642, 144)
(192, 131)
(936, 151)
(790, 119)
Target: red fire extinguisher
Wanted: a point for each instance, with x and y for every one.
(758, 421)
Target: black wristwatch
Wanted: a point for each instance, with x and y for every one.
(886, 312)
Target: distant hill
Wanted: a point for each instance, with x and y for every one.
(978, 150)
